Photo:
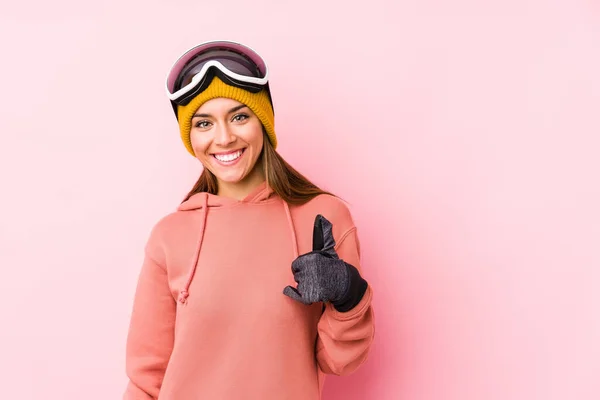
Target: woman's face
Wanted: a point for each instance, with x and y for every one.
(228, 139)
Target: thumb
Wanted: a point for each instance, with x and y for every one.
(323, 240)
(293, 293)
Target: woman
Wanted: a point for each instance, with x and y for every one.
(252, 288)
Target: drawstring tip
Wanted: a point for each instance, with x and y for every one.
(183, 295)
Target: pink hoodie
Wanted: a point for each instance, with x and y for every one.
(210, 320)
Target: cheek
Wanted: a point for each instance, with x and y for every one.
(199, 142)
(255, 135)
(260, 142)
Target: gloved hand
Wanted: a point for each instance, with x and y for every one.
(322, 276)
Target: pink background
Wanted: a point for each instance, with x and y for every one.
(464, 135)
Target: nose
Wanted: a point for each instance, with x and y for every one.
(224, 136)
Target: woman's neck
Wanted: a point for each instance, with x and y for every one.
(240, 190)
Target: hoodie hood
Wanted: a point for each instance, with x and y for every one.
(203, 202)
(200, 200)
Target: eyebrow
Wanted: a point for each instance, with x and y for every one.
(234, 109)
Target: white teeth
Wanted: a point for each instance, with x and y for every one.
(228, 157)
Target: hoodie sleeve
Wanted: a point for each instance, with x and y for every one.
(344, 338)
(151, 331)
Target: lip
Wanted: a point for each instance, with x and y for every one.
(227, 152)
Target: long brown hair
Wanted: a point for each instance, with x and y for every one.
(285, 180)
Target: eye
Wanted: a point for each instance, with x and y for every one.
(203, 124)
(240, 117)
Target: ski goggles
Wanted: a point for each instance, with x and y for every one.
(234, 63)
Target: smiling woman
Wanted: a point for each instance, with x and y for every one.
(252, 288)
(227, 138)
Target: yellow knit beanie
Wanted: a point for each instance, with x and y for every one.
(258, 102)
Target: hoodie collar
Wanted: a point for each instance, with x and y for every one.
(196, 202)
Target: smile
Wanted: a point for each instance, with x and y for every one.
(229, 157)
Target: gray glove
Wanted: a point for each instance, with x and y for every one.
(322, 276)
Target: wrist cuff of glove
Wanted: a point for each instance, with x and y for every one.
(357, 287)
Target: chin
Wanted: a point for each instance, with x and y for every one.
(231, 179)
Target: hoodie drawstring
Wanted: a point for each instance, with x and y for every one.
(183, 293)
(291, 225)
